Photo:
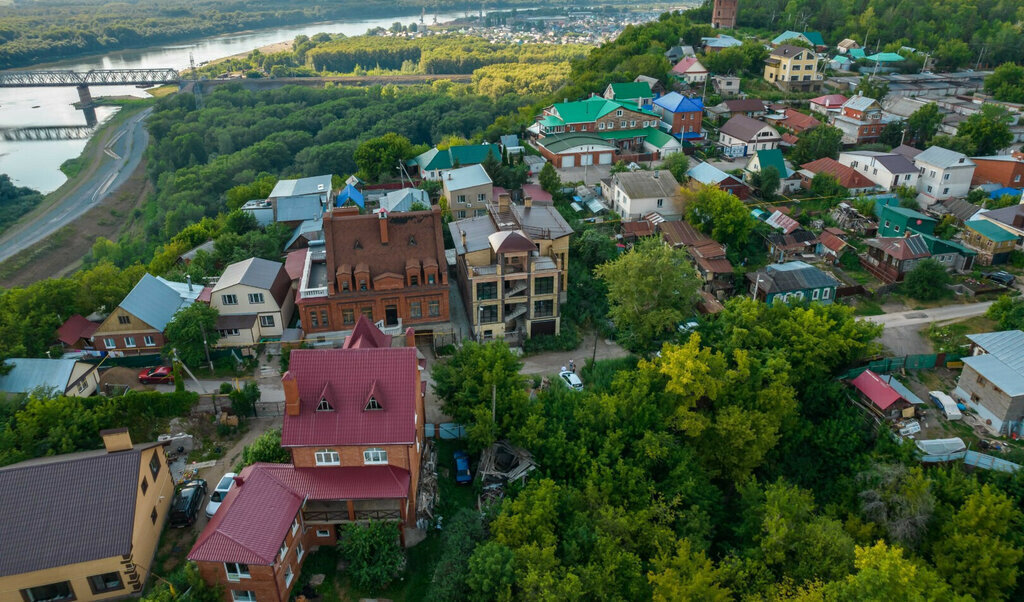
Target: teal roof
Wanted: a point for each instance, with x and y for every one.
(658, 138)
(594, 108)
(841, 59)
(886, 57)
(628, 90)
(773, 158)
(786, 36)
(906, 213)
(937, 246)
(815, 38)
(551, 121)
(990, 230)
(469, 154)
(857, 53)
(633, 133)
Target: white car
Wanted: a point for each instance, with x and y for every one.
(571, 380)
(223, 487)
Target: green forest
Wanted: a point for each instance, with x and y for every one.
(15, 201)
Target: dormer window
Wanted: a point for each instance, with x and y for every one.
(362, 285)
(324, 406)
(618, 113)
(373, 404)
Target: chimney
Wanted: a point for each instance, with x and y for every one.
(503, 200)
(410, 337)
(463, 232)
(449, 176)
(188, 279)
(115, 440)
(239, 481)
(527, 201)
(291, 394)
(383, 221)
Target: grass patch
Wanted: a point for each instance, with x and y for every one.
(72, 167)
(161, 91)
(597, 376)
(868, 307)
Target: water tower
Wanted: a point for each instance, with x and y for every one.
(723, 15)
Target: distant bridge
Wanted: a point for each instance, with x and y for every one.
(95, 77)
(47, 132)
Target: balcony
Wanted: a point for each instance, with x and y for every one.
(314, 275)
(338, 511)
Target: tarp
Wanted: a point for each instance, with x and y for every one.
(946, 404)
(941, 446)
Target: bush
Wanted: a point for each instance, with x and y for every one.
(459, 539)
(927, 281)
(374, 555)
(598, 376)
(265, 448)
(568, 339)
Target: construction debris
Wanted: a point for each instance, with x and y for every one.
(500, 464)
(427, 496)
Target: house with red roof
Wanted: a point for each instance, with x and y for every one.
(354, 424)
(880, 396)
(829, 103)
(76, 332)
(848, 178)
(690, 71)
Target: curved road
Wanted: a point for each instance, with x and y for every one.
(121, 153)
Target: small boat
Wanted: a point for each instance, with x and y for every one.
(35, 106)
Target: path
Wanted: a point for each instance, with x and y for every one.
(904, 329)
(552, 361)
(120, 152)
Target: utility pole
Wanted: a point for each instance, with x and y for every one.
(206, 348)
(980, 56)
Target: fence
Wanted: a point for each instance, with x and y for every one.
(908, 362)
(446, 430)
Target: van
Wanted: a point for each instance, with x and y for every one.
(187, 500)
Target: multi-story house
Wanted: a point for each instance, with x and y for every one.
(354, 424)
(681, 115)
(136, 325)
(860, 120)
(296, 201)
(255, 301)
(611, 130)
(793, 69)
(468, 191)
(432, 164)
(894, 220)
(992, 381)
(887, 170)
(389, 268)
(742, 136)
(1005, 170)
(944, 174)
(83, 526)
(635, 194)
(513, 269)
(595, 114)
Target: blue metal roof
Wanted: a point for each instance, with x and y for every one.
(298, 208)
(31, 373)
(310, 225)
(350, 193)
(998, 372)
(402, 200)
(155, 300)
(677, 103)
(708, 174)
(1007, 345)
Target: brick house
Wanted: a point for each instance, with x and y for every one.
(860, 120)
(354, 425)
(1005, 170)
(681, 115)
(387, 267)
(136, 325)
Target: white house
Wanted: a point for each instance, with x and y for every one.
(887, 170)
(635, 194)
(255, 301)
(944, 174)
(742, 136)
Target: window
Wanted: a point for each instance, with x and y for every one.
(543, 309)
(153, 515)
(661, 202)
(243, 595)
(1016, 178)
(461, 198)
(228, 332)
(82, 386)
(323, 532)
(886, 223)
(109, 343)
(324, 406)
(482, 197)
(945, 191)
(415, 309)
(618, 113)
(148, 340)
(430, 279)
(267, 321)
(632, 123)
(622, 123)
(583, 128)
(107, 582)
(229, 300)
(611, 125)
(348, 316)
(645, 123)
(414, 280)
(896, 228)
(814, 294)
(327, 457)
(313, 322)
(435, 308)
(154, 465)
(255, 298)
(144, 486)
(368, 312)
(461, 214)
(362, 285)
(288, 576)
(929, 189)
(373, 404)
(488, 314)
(600, 126)
(344, 285)
(375, 455)
(283, 552)
(299, 552)
(544, 286)
(931, 173)
(323, 318)
(129, 341)
(236, 570)
(945, 176)
(826, 293)
(54, 591)
(487, 290)
(122, 319)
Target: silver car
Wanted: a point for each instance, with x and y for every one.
(223, 487)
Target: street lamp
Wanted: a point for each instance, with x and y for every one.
(480, 325)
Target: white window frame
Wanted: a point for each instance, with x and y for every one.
(295, 525)
(826, 293)
(375, 455)
(255, 298)
(236, 595)
(814, 294)
(328, 457)
(299, 552)
(283, 551)
(238, 574)
(267, 321)
(148, 340)
(129, 341)
(289, 576)
(323, 532)
(229, 299)
(109, 343)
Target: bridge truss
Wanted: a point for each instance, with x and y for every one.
(95, 77)
(47, 132)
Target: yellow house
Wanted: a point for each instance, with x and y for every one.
(513, 266)
(793, 68)
(83, 526)
(255, 301)
(72, 378)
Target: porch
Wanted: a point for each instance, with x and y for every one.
(352, 511)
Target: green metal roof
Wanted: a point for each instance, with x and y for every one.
(990, 230)
(886, 57)
(551, 121)
(773, 158)
(938, 246)
(657, 137)
(469, 154)
(632, 90)
(814, 37)
(907, 213)
(594, 108)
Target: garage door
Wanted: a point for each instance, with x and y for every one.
(569, 161)
(587, 159)
(604, 159)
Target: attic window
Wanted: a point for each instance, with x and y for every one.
(358, 245)
(412, 241)
(373, 404)
(324, 406)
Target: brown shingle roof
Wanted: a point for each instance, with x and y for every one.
(745, 128)
(847, 176)
(745, 105)
(681, 234)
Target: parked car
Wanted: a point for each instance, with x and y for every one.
(219, 493)
(463, 476)
(1004, 278)
(160, 374)
(571, 380)
(187, 499)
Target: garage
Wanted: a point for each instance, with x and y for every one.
(568, 161)
(586, 159)
(604, 159)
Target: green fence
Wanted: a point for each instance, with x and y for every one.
(908, 362)
(153, 359)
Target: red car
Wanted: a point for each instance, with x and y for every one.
(160, 374)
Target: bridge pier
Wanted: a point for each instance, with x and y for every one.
(90, 116)
(84, 97)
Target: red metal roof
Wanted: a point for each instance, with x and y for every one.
(831, 241)
(830, 100)
(847, 176)
(684, 65)
(295, 262)
(799, 121)
(76, 327)
(366, 336)
(205, 295)
(535, 192)
(345, 378)
(255, 517)
(877, 390)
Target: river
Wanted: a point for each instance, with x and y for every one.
(37, 164)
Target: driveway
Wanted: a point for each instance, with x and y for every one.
(593, 346)
(589, 175)
(904, 329)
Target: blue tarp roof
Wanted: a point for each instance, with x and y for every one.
(350, 193)
(995, 194)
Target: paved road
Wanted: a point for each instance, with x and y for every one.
(927, 316)
(128, 142)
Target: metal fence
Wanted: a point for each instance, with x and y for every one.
(908, 362)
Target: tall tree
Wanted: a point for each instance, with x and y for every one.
(651, 289)
(884, 573)
(927, 281)
(378, 158)
(191, 331)
(677, 164)
(549, 179)
(1006, 83)
(816, 143)
(988, 130)
(686, 574)
(766, 182)
(720, 214)
(923, 124)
